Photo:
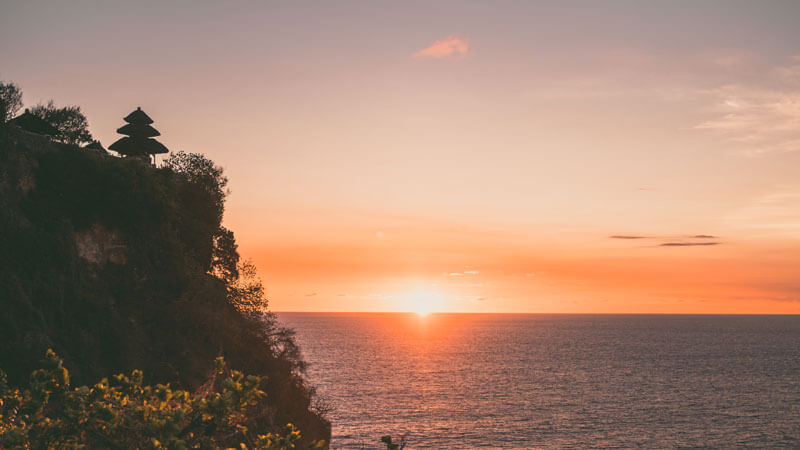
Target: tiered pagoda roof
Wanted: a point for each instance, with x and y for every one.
(138, 140)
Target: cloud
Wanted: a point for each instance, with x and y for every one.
(686, 244)
(464, 273)
(730, 58)
(450, 46)
(669, 243)
(776, 213)
(761, 118)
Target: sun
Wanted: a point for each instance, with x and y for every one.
(422, 310)
(422, 303)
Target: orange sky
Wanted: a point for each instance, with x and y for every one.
(465, 156)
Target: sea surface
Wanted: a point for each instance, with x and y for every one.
(532, 381)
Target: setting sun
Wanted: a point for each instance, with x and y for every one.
(420, 302)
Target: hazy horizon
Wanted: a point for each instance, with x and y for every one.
(515, 157)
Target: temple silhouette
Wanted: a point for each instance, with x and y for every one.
(138, 141)
(34, 124)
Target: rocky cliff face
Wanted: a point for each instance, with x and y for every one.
(107, 262)
(99, 245)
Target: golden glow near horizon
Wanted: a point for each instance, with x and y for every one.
(420, 302)
(465, 157)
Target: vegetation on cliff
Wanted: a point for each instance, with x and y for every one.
(125, 413)
(119, 266)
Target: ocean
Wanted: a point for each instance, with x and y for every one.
(533, 381)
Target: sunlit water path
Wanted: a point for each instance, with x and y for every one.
(522, 381)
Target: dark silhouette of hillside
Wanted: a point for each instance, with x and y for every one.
(117, 265)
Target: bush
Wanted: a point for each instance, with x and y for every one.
(125, 413)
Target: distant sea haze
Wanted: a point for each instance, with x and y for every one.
(532, 381)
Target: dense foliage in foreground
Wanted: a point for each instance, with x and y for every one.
(125, 413)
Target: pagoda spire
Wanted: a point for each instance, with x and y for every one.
(138, 139)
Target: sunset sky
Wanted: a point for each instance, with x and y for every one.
(616, 156)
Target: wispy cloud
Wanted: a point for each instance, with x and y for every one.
(729, 58)
(686, 244)
(760, 119)
(669, 239)
(776, 213)
(464, 273)
(451, 46)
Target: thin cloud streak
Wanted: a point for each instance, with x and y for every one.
(775, 214)
(687, 244)
(626, 236)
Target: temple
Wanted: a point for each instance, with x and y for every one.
(138, 141)
(34, 124)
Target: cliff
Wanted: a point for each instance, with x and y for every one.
(116, 266)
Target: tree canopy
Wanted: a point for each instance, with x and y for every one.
(201, 171)
(10, 101)
(73, 128)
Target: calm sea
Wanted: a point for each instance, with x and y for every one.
(525, 381)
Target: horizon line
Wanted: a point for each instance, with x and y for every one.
(538, 313)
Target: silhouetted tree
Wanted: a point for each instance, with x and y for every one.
(10, 101)
(72, 126)
(201, 171)
(225, 256)
(246, 293)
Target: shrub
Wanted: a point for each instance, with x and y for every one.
(125, 413)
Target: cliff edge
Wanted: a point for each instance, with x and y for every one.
(117, 265)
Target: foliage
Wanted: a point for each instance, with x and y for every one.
(10, 101)
(246, 292)
(170, 301)
(125, 413)
(203, 173)
(72, 126)
(225, 256)
(201, 191)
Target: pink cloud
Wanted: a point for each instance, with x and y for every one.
(450, 46)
